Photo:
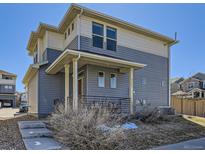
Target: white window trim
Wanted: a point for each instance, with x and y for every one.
(106, 37)
(116, 80)
(98, 79)
(102, 36)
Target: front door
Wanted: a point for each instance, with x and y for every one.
(80, 87)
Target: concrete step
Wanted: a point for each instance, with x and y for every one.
(31, 124)
(42, 143)
(35, 132)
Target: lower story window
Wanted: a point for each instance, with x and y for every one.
(101, 79)
(113, 80)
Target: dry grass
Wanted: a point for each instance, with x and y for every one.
(195, 119)
(172, 130)
(10, 138)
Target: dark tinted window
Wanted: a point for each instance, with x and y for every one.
(97, 41)
(65, 35)
(111, 33)
(72, 26)
(111, 45)
(68, 31)
(97, 29)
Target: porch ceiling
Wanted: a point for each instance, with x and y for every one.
(89, 58)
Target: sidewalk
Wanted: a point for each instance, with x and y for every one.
(195, 144)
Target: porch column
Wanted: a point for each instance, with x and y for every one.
(192, 94)
(200, 94)
(75, 85)
(67, 68)
(131, 88)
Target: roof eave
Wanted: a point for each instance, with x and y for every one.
(28, 73)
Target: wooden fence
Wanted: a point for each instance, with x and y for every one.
(189, 106)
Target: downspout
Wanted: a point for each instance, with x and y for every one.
(169, 72)
(78, 57)
(79, 27)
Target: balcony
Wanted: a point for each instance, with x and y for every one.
(7, 81)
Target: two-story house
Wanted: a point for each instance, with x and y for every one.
(175, 84)
(90, 57)
(192, 87)
(7, 89)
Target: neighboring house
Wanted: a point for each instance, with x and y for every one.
(91, 57)
(192, 87)
(23, 97)
(7, 89)
(175, 84)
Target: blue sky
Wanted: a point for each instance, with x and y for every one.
(187, 57)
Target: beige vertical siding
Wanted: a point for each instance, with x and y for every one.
(127, 38)
(33, 94)
(55, 41)
(72, 35)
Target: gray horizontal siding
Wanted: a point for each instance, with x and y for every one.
(121, 89)
(154, 73)
(50, 87)
(3, 90)
(93, 88)
(73, 44)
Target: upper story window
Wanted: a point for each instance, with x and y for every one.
(97, 33)
(35, 59)
(72, 26)
(8, 87)
(113, 81)
(65, 35)
(6, 77)
(68, 31)
(111, 38)
(101, 79)
(191, 85)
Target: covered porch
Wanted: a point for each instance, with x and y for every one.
(72, 62)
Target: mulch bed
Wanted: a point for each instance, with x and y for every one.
(172, 130)
(10, 138)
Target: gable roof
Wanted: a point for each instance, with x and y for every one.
(75, 9)
(7, 73)
(199, 76)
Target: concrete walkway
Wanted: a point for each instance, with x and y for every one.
(195, 144)
(36, 136)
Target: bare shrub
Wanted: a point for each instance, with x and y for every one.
(79, 130)
(150, 116)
